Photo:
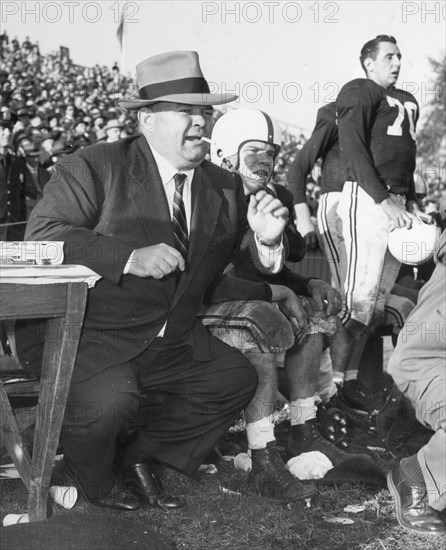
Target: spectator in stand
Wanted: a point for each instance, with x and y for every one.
(36, 175)
(12, 184)
(24, 119)
(69, 116)
(113, 130)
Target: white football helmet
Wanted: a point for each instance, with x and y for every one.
(235, 128)
(416, 245)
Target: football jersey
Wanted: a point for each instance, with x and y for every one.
(377, 137)
(323, 143)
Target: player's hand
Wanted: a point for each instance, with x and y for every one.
(327, 298)
(311, 240)
(156, 261)
(293, 308)
(398, 217)
(413, 207)
(267, 216)
(305, 225)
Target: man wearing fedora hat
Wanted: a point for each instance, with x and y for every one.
(113, 130)
(158, 223)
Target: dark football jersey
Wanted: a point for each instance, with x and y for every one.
(377, 137)
(322, 144)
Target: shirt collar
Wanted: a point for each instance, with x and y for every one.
(167, 171)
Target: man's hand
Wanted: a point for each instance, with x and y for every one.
(413, 207)
(305, 226)
(326, 297)
(398, 216)
(156, 261)
(292, 307)
(267, 217)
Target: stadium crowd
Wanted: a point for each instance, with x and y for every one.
(56, 107)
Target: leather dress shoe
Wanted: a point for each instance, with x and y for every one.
(148, 487)
(118, 497)
(411, 503)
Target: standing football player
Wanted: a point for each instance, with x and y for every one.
(376, 124)
(324, 144)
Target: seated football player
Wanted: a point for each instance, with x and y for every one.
(247, 142)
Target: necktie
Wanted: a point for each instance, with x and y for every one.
(179, 216)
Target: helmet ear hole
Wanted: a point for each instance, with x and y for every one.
(219, 153)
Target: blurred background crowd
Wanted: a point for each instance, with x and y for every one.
(50, 107)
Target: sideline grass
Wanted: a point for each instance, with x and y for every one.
(241, 520)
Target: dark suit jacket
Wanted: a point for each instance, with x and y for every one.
(106, 200)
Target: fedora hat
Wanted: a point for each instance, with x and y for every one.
(174, 77)
(113, 123)
(61, 148)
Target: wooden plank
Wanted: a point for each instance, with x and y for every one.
(32, 301)
(23, 388)
(11, 364)
(13, 440)
(57, 367)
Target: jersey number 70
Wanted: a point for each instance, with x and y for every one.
(396, 129)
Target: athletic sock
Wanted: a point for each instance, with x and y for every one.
(260, 433)
(338, 378)
(302, 410)
(351, 375)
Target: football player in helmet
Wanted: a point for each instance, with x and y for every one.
(247, 142)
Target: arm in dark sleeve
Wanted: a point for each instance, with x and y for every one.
(321, 140)
(297, 283)
(296, 243)
(356, 106)
(69, 211)
(226, 288)
(411, 193)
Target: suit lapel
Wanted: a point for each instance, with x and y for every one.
(150, 201)
(206, 203)
(148, 195)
